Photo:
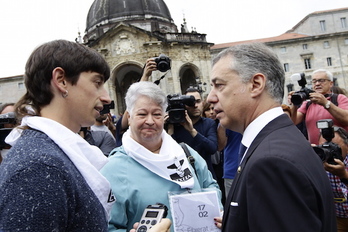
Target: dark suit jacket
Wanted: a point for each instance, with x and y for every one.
(282, 185)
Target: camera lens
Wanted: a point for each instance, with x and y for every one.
(163, 66)
(298, 97)
(176, 115)
(163, 63)
(323, 153)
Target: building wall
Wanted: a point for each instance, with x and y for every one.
(295, 54)
(317, 46)
(332, 20)
(126, 48)
(11, 89)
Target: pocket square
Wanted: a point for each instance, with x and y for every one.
(234, 203)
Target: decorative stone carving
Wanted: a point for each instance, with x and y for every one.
(123, 45)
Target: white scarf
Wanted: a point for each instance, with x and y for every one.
(171, 162)
(87, 159)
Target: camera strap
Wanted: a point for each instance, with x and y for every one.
(333, 99)
(190, 158)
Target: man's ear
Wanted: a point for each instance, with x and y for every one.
(258, 83)
(59, 79)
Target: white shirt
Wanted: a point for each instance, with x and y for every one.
(257, 125)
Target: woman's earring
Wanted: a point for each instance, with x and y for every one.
(64, 95)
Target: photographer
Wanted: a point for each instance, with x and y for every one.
(338, 176)
(4, 148)
(104, 123)
(99, 138)
(323, 104)
(198, 132)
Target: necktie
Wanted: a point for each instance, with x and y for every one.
(242, 149)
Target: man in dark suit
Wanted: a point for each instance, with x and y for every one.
(280, 183)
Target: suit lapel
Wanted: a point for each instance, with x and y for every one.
(281, 121)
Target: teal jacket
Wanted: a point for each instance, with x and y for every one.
(135, 187)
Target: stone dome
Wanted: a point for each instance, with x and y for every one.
(108, 12)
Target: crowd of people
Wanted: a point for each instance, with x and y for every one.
(66, 167)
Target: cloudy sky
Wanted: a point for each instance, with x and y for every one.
(25, 24)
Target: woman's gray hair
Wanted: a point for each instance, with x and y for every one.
(253, 58)
(147, 89)
(328, 73)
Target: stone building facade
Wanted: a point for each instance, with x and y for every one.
(319, 41)
(128, 32)
(11, 89)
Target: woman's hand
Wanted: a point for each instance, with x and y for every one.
(163, 226)
(218, 222)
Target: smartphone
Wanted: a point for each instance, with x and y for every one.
(151, 216)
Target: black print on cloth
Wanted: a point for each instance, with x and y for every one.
(111, 197)
(180, 175)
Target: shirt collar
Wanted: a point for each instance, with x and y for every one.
(258, 124)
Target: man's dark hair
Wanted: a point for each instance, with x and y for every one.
(192, 90)
(72, 57)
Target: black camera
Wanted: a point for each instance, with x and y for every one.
(8, 118)
(329, 150)
(176, 107)
(299, 96)
(107, 107)
(4, 132)
(163, 63)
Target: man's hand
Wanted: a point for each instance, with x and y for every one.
(289, 97)
(163, 226)
(109, 123)
(318, 98)
(150, 66)
(338, 169)
(188, 125)
(169, 126)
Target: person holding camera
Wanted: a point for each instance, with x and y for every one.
(150, 163)
(8, 108)
(104, 123)
(5, 128)
(198, 132)
(99, 138)
(323, 104)
(337, 172)
(280, 184)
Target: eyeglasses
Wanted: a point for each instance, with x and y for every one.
(320, 81)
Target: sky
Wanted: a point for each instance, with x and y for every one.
(25, 24)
